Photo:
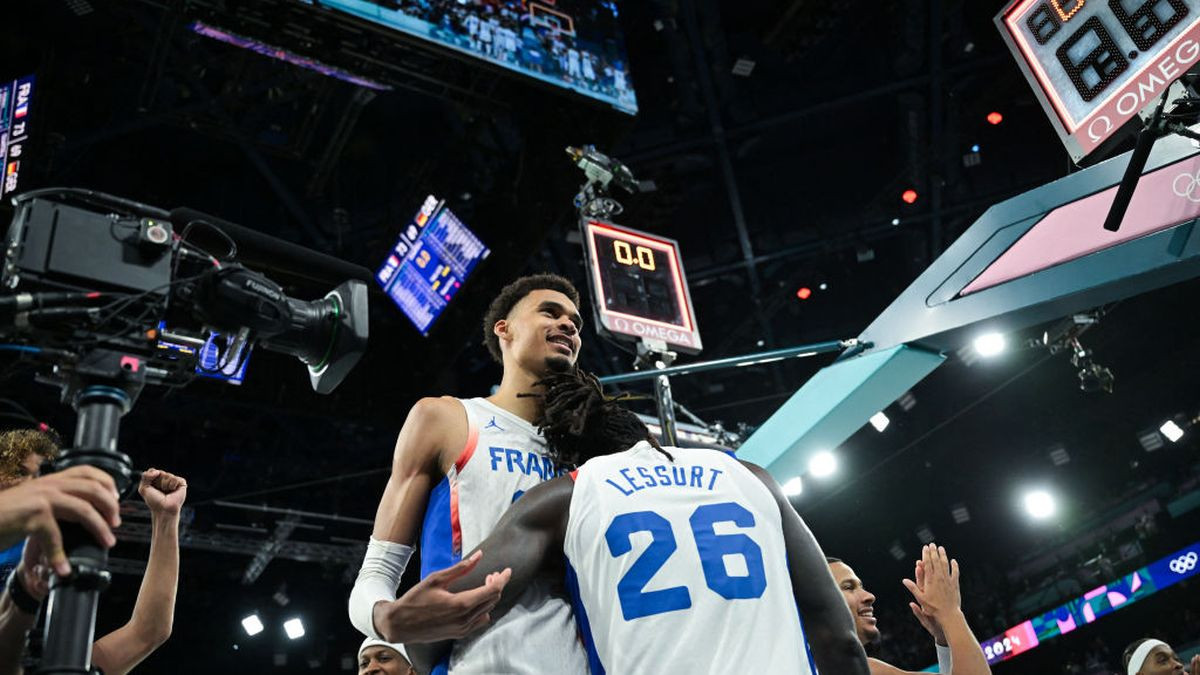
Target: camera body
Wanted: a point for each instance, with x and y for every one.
(84, 271)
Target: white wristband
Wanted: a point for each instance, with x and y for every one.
(945, 659)
(378, 578)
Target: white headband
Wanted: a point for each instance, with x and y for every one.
(1140, 654)
(372, 642)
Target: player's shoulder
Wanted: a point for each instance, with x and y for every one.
(437, 409)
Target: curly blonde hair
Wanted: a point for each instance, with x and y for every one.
(17, 444)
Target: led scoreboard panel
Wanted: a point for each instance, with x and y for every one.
(638, 283)
(1095, 604)
(1095, 63)
(429, 263)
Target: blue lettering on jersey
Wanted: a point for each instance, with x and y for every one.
(663, 476)
(512, 460)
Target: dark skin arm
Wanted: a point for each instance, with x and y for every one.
(528, 540)
(827, 621)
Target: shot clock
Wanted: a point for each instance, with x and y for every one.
(1094, 64)
(638, 285)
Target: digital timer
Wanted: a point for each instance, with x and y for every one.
(638, 285)
(1095, 64)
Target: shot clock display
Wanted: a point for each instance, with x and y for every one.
(638, 284)
(1095, 63)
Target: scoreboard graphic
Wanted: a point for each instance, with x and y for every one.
(16, 98)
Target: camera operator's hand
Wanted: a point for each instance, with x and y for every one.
(82, 494)
(163, 492)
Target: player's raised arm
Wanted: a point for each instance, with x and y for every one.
(827, 621)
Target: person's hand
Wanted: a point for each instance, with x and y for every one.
(940, 596)
(927, 621)
(429, 612)
(81, 494)
(163, 492)
(1194, 669)
(32, 571)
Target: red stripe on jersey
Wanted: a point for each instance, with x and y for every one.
(455, 525)
(472, 441)
(574, 474)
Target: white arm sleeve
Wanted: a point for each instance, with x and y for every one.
(945, 661)
(378, 578)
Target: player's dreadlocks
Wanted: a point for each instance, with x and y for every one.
(579, 422)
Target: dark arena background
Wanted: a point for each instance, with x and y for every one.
(811, 159)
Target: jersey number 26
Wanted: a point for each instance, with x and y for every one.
(713, 547)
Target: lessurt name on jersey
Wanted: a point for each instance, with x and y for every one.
(634, 479)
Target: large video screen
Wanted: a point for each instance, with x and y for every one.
(575, 44)
(434, 256)
(16, 99)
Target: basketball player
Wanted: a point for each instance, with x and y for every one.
(938, 607)
(678, 560)
(1148, 656)
(458, 464)
(376, 657)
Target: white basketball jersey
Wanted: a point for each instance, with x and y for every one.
(504, 457)
(680, 567)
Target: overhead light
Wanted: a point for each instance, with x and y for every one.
(743, 67)
(823, 464)
(1039, 504)
(1059, 456)
(252, 625)
(909, 196)
(990, 344)
(897, 551)
(1151, 440)
(879, 421)
(960, 514)
(925, 534)
(793, 487)
(294, 628)
(895, 221)
(804, 293)
(994, 118)
(1171, 430)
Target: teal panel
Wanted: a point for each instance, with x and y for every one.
(832, 405)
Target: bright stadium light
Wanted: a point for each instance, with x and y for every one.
(252, 625)
(793, 487)
(1171, 430)
(1040, 504)
(990, 344)
(823, 464)
(294, 628)
(879, 421)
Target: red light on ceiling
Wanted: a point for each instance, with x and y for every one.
(909, 196)
(804, 293)
(995, 117)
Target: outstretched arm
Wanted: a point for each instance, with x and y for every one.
(827, 621)
(525, 544)
(937, 597)
(154, 611)
(433, 435)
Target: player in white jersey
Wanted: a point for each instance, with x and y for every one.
(458, 464)
(472, 25)
(679, 560)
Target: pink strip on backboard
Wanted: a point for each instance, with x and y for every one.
(1164, 198)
